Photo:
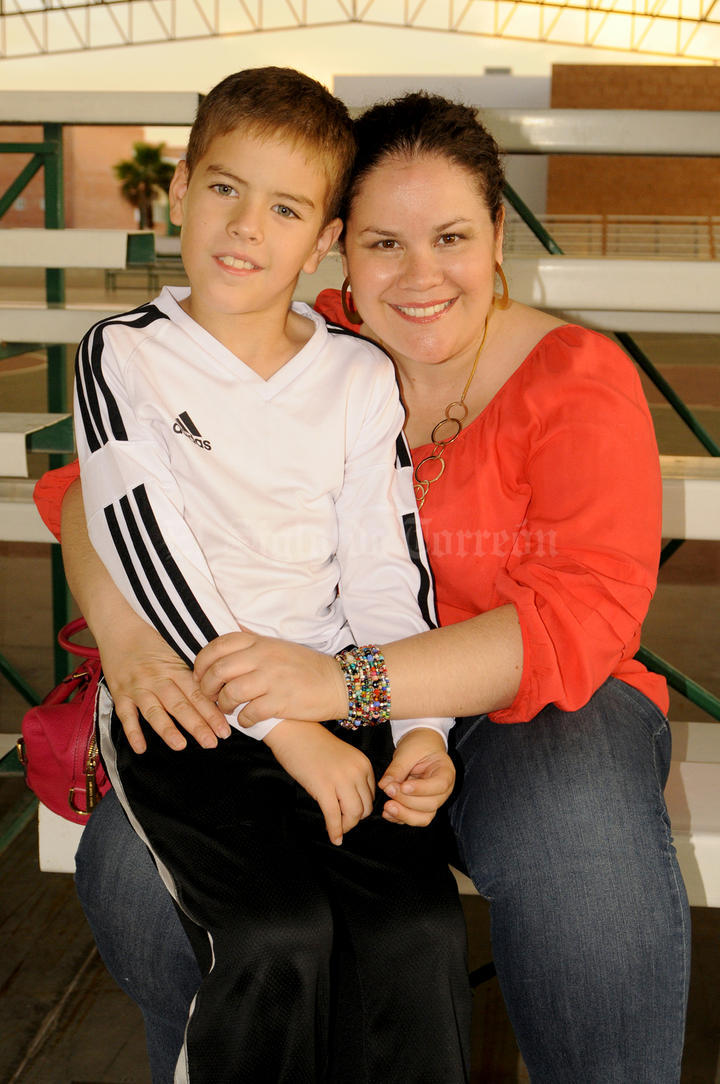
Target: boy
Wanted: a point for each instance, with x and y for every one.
(237, 459)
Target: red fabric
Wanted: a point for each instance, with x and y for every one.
(50, 491)
(329, 305)
(550, 501)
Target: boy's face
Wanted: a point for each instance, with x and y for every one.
(252, 219)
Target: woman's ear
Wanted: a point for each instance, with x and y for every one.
(177, 191)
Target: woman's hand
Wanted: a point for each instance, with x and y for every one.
(279, 679)
(145, 676)
(418, 780)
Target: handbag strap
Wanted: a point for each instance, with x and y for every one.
(65, 641)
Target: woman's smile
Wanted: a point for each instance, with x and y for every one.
(425, 313)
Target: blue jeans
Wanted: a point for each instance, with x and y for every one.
(562, 826)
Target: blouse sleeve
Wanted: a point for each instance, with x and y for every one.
(49, 493)
(584, 565)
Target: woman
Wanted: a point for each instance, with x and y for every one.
(541, 511)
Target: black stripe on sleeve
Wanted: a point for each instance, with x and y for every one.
(89, 362)
(169, 564)
(124, 555)
(93, 438)
(159, 591)
(426, 585)
(94, 369)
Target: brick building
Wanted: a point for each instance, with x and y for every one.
(584, 184)
(92, 192)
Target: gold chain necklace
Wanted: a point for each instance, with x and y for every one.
(453, 425)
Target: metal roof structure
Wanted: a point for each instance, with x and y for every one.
(676, 29)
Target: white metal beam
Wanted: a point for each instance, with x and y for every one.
(661, 28)
(518, 131)
(100, 107)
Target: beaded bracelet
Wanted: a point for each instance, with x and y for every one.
(368, 686)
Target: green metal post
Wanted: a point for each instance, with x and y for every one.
(638, 355)
(56, 362)
(18, 682)
(23, 178)
(679, 681)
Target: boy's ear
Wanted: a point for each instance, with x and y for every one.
(176, 193)
(325, 241)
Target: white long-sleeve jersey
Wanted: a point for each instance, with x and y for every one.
(216, 498)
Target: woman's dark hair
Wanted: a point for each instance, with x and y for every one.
(427, 124)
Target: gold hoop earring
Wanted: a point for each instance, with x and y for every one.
(350, 312)
(503, 301)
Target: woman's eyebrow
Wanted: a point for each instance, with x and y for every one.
(444, 227)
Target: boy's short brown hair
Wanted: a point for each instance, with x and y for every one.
(280, 101)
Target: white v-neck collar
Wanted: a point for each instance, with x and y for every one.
(169, 302)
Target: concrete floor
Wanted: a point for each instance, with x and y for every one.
(63, 1021)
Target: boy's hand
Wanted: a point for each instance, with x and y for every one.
(145, 675)
(278, 678)
(339, 777)
(418, 780)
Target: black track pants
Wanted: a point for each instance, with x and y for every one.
(321, 963)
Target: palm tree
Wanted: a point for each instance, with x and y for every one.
(142, 177)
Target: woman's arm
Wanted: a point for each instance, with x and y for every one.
(142, 672)
(470, 668)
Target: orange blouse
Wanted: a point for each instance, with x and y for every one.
(551, 502)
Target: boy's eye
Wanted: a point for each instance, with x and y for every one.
(223, 189)
(284, 211)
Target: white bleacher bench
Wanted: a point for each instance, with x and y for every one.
(108, 250)
(609, 295)
(51, 325)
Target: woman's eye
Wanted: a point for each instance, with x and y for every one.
(223, 189)
(284, 212)
(387, 244)
(449, 238)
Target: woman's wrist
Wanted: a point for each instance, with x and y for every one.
(367, 686)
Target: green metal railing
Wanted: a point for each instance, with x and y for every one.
(48, 156)
(690, 689)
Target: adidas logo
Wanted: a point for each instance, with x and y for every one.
(185, 425)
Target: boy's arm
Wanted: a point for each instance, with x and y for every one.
(337, 775)
(386, 585)
(134, 509)
(142, 672)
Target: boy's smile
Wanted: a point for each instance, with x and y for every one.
(252, 218)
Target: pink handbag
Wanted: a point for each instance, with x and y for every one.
(58, 747)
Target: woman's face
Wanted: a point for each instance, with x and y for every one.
(420, 250)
